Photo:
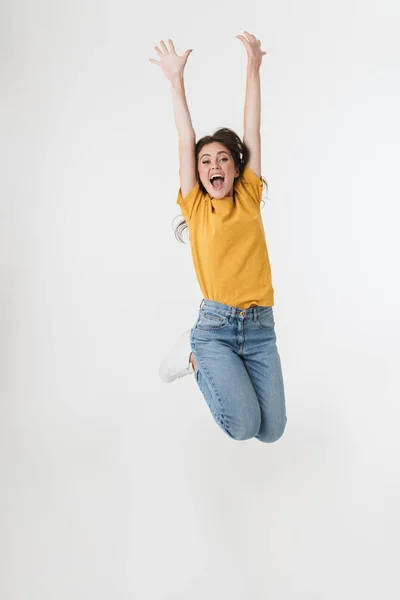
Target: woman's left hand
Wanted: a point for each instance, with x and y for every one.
(253, 48)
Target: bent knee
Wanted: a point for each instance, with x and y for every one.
(271, 435)
(244, 431)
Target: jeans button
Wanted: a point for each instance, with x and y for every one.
(242, 313)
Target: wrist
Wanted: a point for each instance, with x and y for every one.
(253, 66)
(176, 80)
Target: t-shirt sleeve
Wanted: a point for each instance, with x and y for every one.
(253, 184)
(190, 196)
(191, 202)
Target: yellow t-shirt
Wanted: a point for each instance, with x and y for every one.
(228, 245)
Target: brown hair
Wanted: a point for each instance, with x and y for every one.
(240, 154)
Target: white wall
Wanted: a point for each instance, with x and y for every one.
(113, 484)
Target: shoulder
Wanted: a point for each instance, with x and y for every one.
(194, 192)
(250, 184)
(192, 204)
(249, 176)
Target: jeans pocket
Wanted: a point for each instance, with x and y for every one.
(209, 320)
(265, 319)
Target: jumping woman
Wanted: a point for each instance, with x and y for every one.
(231, 350)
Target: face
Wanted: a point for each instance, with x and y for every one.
(215, 159)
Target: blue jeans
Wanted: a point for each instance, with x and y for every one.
(238, 370)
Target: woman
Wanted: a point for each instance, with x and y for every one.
(232, 347)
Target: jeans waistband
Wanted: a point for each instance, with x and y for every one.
(231, 310)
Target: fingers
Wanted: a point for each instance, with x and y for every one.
(164, 48)
(167, 55)
(167, 51)
(252, 38)
(250, 35)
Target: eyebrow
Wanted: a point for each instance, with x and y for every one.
(220, 152)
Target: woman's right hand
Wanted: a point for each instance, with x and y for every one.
(170, 62)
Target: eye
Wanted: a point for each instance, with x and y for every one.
(224, 158)
(205, 162)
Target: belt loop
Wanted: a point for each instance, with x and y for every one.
(201, 304)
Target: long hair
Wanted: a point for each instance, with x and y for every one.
(240, 155)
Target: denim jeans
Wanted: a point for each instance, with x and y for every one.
(238, 370)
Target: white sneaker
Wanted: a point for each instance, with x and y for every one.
(177, 362)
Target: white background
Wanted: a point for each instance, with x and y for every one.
(115, 485)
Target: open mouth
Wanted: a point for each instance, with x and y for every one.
(217, 181)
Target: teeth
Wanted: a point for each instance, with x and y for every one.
(214, 176)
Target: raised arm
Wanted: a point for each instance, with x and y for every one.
(173, 67)
(252, 105)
